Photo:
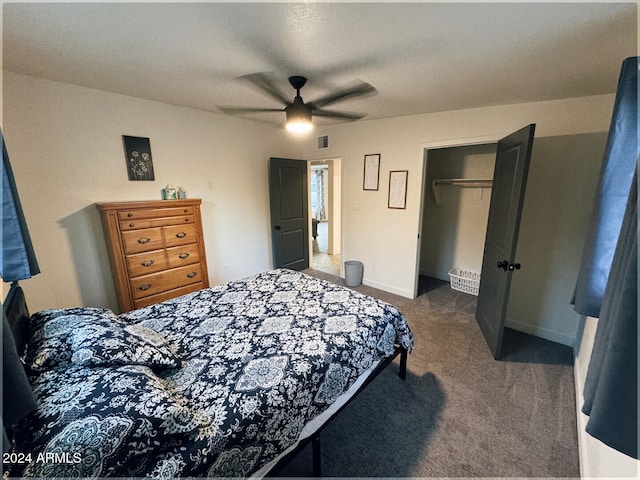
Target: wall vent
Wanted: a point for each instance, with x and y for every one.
(323, 142)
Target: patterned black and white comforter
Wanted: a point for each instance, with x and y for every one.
(216, 383)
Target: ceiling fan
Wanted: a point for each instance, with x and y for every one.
(298, 113)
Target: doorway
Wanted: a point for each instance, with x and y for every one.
(508, 183)
(455, 210)
(325, 204)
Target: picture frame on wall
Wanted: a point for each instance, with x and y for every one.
(137, 151)
(398, 188)
(371, 171)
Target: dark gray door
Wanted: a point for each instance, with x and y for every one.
(289, 213)
(498, 263)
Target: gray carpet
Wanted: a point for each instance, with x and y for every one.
(459, 413)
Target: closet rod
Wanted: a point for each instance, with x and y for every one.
(459, 182)
(471, 182)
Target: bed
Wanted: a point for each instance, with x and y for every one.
(223, 382)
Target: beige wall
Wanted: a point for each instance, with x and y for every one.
(386, 240)
(65, 144)
(66, 148)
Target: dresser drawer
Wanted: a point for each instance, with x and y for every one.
(156, 222)
(147, 262)
(135, 214)
(183, 255)
(166, 280)
(180, 235)
(143, 240)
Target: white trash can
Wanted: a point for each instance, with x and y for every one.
(353, 271)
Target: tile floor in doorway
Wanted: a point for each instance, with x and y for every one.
(321, 259)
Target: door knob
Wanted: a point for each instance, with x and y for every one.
(514, 266)
(504, 264)
(278, 227)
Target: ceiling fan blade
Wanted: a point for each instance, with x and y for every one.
(267, 86)
(239, 111)
(333, 114)
(358, 90)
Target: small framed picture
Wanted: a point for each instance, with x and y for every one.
(371, 171)
(398, 188)
(137, 151)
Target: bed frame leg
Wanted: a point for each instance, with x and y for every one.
(403, 363)
(317, 460)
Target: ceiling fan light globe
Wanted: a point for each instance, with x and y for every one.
(298, 117)
(299, 126)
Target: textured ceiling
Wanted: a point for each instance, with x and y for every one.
(421, 57)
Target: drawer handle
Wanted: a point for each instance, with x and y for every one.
(184, 255)
(181, 234)
(131, 225)
(129, 215)
(144, 240)
(186, 219)
(145, 286)
(185, 210)
(192, 274)
(147, 263)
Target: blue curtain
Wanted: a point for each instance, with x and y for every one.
(18, 258)
(17, 398)
(18, 262)
(617, 170)
(607, 285)
(611, 386)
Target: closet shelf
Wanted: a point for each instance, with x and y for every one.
(459, 182)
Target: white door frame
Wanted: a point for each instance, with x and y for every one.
(422, 168)
(334, 204)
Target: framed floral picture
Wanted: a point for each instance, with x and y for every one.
(137, 151)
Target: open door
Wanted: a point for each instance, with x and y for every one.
(498, 262)
(289, 213)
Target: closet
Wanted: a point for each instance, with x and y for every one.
(456, 200)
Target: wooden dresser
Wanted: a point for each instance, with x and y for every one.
(156, 249)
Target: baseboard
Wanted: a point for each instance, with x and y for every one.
(545, 333)
(388, 288)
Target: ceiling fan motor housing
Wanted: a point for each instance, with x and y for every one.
(298, 111)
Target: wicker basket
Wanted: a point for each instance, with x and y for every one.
(464, 281)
